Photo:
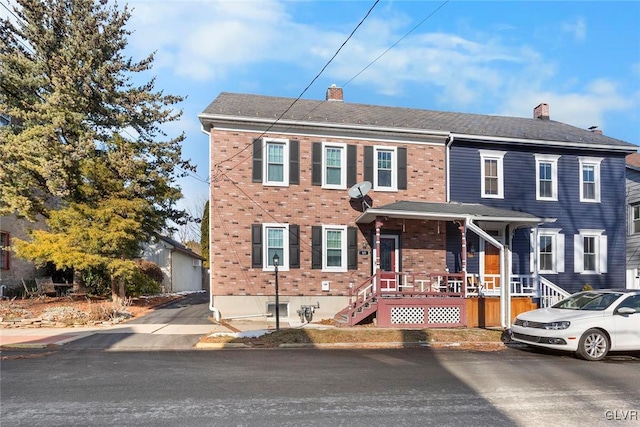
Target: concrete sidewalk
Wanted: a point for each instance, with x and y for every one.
(43, 337)
(30, 337)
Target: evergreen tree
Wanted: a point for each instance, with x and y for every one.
(204, 235)
(68, 87)
(83, 147)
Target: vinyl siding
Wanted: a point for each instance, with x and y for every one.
(571, 214)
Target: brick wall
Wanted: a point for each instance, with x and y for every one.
(237, 203)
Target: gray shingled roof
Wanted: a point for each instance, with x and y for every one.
(452, 210)
(246, 106)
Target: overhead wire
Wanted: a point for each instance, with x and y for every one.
(217, 166)
(309, 85)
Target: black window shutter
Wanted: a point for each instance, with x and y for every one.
(256, 246)
(316, 247)
(294, 162)
(294, 246)
(368, 164)
(352, 248)
(257, 160)
(316, 164)
(352, 167)
(402, 168)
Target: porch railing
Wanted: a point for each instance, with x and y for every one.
(550, 293)
(448, 284)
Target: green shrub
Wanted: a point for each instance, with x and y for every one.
(97, 281)
(146, 280)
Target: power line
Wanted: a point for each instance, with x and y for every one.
(396, 43)
(309, 85)
(344, 85)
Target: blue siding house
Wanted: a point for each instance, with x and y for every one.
(573, 179)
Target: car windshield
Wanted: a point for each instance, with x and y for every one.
(588, 301)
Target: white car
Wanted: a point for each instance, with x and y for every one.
(590, 323)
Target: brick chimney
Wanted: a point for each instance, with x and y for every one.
(541, 112)
(334, 93)
(595, 129)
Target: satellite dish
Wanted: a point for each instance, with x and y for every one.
(360, 190)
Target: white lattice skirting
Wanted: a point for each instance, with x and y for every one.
(407, 315)
(444, 315)
(416, 315)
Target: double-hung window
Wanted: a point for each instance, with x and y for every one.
(590, 252)
(492, 170)
(4, 250)
(276, 172)
(385, 168)
(276, 162)
(590, 179)
(334, 161)
(635, 218)
(547, 177)
(272, 239)
(550, 250)
(334, 248)
(334, 257)
(275, 236)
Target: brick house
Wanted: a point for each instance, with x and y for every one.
(285, 180)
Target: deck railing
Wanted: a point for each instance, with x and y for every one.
(452, 284)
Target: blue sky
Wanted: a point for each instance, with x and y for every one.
(486, 57)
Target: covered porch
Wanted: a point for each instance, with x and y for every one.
(451, 293)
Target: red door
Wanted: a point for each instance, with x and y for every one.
(388, 264)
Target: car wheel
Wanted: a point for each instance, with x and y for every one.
(594, 345)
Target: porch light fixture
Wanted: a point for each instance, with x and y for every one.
(276, 260)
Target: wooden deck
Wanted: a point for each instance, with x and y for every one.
(439, 300)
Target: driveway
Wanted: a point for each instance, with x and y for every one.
(176, 326)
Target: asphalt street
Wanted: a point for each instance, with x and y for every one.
(310, 387)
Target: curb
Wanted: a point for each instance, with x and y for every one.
(31, 346)
(473, 345)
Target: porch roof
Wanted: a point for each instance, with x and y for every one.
(448, 212)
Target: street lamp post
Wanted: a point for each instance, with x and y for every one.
(276, 260)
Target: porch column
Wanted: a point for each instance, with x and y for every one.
(463, 231)
(379, 225)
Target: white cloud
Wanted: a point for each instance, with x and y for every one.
(205, 40)
(577, 29)
(583, 109)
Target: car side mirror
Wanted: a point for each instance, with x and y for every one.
(626, 310)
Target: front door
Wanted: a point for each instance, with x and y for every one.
(491, 260)
(388, 263)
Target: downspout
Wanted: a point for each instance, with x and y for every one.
(212, 308)
(505, 298)
(447, 167)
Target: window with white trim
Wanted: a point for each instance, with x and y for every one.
(334, 256)
(546, 177)
(334, 160)
(276, 241)
(385, 168)
(635, 218)
(590, 252)
(492, 169)
(276, 169)
(550, 250)
(590, 179)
